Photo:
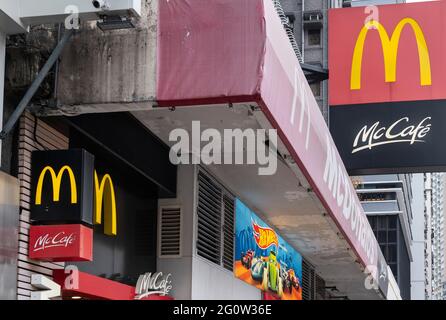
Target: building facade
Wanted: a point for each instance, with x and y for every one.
(119, 92)
(436, 182)
(387, 201)
(418, 268)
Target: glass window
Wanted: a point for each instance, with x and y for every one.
(382, 236)
(391, 236)
(392, 222)
(316, 88)
(314, 37)
(392, 253)
(382, 223)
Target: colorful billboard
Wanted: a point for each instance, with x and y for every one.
(263, 259)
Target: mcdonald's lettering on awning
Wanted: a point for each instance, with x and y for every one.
(393, 53)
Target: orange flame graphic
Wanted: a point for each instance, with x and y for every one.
(265, 237)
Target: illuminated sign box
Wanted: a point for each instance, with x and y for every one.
(62, 187)
(71, 242)
(387, 97)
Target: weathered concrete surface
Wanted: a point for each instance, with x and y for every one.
(110, 71)
(25, 56)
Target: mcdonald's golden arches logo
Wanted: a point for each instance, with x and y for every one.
(56, 180)
(390, 52)
(104, 195)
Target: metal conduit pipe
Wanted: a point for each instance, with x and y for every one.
(288, 29)
(36, 84)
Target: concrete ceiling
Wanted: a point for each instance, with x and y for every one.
(283, 200)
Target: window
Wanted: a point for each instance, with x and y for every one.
(316, 89)
(215, 223)
(314, 37)
(385, 229)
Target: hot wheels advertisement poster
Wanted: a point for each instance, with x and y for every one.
(263, 259)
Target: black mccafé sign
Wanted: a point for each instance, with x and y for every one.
(391, 138)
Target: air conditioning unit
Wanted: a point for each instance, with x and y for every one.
(313, 19)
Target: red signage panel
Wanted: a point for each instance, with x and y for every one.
(389, 53)
(75, 283)
(71, 242)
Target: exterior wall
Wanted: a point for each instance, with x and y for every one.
(437, 231)
(193, 277)
(311, 54)
(393, 292)
(428, 235)
(211, 282)
(398, 188)
(181, 267)
(45, 138)
(107, 68)
(9, 235)
(418, 285)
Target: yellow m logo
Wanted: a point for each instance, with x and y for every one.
(105, 194)
(390, 52)
(56, 180)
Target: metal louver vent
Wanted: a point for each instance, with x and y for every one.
(308, 281)
(209, 219)
(228, 233)
(320, 288)
(215, 210)
(170, 233)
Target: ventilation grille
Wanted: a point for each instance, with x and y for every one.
(170, 233)
(209, 219)
(308, 281)
(320, 288)
(215, 210)
(228, 233)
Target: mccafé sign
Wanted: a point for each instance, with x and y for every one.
(68, 197)
(387, 97)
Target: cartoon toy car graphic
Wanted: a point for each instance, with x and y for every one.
(247, 259)
(257, 269)
(291, 281)
(271, 275)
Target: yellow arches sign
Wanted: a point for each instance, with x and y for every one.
(105, 194)
(390, 52)
(56, 180)
(79, 194)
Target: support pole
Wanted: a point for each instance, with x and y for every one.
(35, 85)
